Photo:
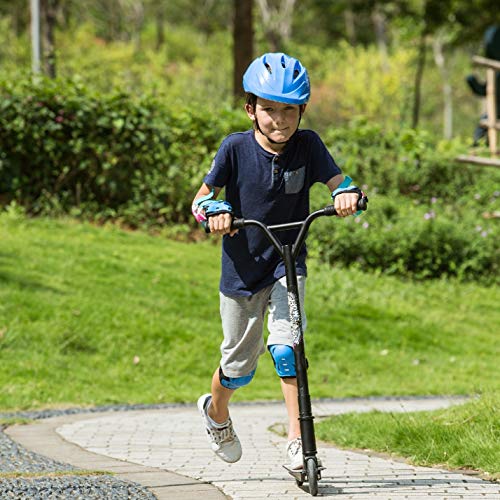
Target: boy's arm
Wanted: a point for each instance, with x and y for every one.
(206, 190)
(345, 203)
(218, 224)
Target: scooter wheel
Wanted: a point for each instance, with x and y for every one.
(312, 476)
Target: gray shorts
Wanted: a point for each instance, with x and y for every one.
(243, 325)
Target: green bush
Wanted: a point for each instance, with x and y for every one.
(409, 162)
(64, 148)
(399, 236)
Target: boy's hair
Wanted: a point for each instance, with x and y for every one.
(251, 100)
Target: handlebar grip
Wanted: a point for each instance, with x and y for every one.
(330, 210)
(362, 205)
(237, 223)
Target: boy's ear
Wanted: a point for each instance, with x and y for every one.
(250, 111)
(303, 107)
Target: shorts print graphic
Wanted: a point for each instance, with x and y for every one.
(294, 180)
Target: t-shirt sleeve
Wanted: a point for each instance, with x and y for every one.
(322, 162)
(220, 169)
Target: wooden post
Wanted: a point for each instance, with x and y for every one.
(491, 110)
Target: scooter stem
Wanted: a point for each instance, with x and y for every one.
(305, 411)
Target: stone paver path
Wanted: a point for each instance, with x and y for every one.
(173, 439)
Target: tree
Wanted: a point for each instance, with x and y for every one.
(277, 17)
(242, 43)
(48, 10)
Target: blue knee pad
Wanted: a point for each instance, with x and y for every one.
(284, 360)
(235, 382)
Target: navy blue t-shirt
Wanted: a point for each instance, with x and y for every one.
(270, 188)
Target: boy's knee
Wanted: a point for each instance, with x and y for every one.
(235, 382)
(284, 360)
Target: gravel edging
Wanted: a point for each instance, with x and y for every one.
(44, 478)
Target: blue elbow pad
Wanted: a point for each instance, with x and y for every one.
(284, 360)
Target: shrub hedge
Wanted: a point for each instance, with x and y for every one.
(63, 147)
(137, 160)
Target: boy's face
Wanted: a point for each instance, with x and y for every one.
(277, 121)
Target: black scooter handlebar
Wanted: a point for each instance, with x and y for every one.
(328, 211)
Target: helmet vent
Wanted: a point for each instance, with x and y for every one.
(268, 67)
(296, 70)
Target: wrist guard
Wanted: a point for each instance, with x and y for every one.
(218, 207)
(206, 206)
(345, 187)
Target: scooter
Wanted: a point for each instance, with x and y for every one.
(311, 472)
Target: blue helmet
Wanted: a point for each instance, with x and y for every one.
(278, 77)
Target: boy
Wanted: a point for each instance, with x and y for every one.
(266, 173)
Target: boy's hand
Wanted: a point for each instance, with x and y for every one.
(346, 204)
(221, 224)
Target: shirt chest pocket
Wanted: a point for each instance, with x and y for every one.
(294, 180)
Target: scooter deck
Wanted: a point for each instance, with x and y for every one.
(300, 474)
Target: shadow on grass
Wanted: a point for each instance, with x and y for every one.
(22, 282)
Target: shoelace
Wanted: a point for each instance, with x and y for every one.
(221, 435)
(295, 447)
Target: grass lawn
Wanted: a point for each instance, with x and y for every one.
(463, 437)
(96, 315)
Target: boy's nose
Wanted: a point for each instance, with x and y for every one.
(279, 116)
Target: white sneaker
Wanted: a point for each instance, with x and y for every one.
(294, 454)
(223, 440)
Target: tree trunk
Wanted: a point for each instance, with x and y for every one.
(379, 24)
(277, 22)
(350, 25)
(242, 44)
(418, 78)
(447, 91)
(48, 9)
(138, 22)
(36, 53)
(160, 28)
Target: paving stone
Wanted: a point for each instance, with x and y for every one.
(174, 440)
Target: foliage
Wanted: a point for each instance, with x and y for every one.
(397, 236)
(138, 161)
(425, 216)
(63, 147)
(348, 79)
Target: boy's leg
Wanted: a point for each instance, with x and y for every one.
(291, 395)
(279, 343)
(242, 325)
(280, 334)
(218, 410)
